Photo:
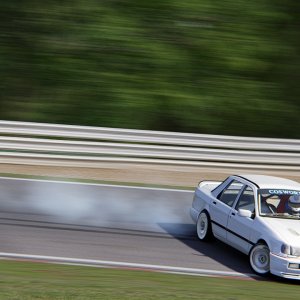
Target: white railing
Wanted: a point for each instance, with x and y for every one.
(22, 142)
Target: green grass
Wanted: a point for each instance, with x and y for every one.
(26, 280)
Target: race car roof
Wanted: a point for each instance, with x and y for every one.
(264, 181)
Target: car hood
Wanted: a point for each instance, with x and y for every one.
(287, 229)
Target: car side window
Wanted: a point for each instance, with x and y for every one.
(246, 200)
(229, 194)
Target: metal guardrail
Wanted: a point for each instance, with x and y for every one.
(23, 142)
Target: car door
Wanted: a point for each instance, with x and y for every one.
(239, 227)
(221, 207)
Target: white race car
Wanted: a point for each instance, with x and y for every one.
(258, 215)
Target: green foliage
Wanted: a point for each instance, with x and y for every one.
(221, 67)
(27, 281)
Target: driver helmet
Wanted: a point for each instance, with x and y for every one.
(294, 203)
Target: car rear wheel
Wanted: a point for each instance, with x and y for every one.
(260, 259)
(204, 226)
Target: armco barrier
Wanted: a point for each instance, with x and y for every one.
(24, 142)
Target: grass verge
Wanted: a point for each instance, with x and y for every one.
(93, 181)
(28, 280)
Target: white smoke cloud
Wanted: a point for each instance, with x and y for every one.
(100, 205)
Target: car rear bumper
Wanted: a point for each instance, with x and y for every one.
(194, 214)
(287, 267)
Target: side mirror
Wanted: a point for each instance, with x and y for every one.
(245, 213)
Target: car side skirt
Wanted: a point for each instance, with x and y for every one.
(234, 233)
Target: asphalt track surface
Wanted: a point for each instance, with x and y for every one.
(108, 223)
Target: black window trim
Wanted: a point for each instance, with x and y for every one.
(237, 196)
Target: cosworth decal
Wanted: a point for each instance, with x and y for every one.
(280, 192)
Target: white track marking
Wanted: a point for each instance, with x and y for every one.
(115, 264)
(98, 184)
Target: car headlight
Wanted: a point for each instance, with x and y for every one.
(289, 250)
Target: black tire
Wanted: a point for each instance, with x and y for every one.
(204, 231)
(259, 259)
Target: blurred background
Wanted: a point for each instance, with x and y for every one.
(208, 66)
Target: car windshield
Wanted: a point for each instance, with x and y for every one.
(279, 203)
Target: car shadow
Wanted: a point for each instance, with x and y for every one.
(216, 250)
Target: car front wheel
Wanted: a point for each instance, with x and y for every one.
(260, 259)
(204, 226)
